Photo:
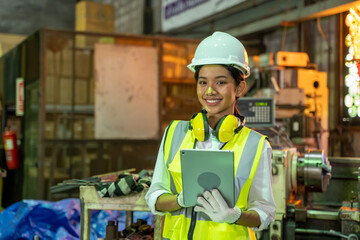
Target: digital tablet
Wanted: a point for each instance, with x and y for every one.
(205, 170)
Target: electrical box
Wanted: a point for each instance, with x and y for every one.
(292, 59)
(284, 59)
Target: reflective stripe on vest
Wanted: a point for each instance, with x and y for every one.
(177, 222)
(171, 146)
(244, 174)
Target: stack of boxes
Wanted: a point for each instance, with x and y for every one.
(179, 80)
(62, 63)
(8, 41)
(94, 17)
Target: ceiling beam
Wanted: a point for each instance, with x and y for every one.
(302, 13)
(255, 16)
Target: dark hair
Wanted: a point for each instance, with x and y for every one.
(235, 73)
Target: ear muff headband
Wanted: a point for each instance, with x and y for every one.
(206, 126)
(200, 126)
(225, 129)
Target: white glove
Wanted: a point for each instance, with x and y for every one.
(180, 200)
(213, 204)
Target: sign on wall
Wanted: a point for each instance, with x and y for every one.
(126, 92)
(178, 13)
(19, 97)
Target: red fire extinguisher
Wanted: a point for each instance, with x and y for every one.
(11, 150)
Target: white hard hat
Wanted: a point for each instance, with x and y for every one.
(221, 48)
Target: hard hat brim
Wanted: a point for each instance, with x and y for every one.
(244, 69)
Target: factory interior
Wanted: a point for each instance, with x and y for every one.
(87, 89)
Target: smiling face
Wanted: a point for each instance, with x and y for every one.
(217, 92)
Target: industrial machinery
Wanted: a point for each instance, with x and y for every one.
(300, 214)
(300, 93)
(317, 197)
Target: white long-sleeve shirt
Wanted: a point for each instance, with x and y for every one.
(260, 197)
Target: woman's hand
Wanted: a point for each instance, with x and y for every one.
(214, 205)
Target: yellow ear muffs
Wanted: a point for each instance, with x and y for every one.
(225, 129)
(200, 126)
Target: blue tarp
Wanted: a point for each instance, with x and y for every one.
(57, 220)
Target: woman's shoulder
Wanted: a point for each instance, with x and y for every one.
(252, 131)
(259, 135)
(178, 122)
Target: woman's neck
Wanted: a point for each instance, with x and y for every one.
(214, 120)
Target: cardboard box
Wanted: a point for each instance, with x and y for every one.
(81, 91)
(59, 91)
(65, 95)
(49, 129)
(95, 25)
(62, 63)
(65, 91)
(94, 10)
(83, 64)
(91, 91)
(8, 41)
(79, 128)
(174, 61)
(93, 17)
(89, 128)
(50, 93)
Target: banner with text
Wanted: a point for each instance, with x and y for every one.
(178, 13)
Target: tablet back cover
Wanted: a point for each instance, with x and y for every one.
(205, 170)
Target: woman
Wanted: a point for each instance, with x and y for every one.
(221, 66)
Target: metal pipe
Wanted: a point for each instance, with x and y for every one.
(323, 215)
(312, 231)
(344, 160)
(322, 232)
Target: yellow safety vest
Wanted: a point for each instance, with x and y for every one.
(179, 224)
